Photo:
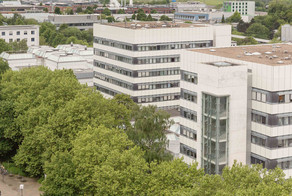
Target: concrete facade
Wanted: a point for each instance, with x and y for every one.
(245, 8)
(82, 22)
(256, 80)
(286, 33)
(143, 60)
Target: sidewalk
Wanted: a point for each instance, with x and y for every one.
(10, 186)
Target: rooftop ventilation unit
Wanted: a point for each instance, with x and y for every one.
(268, 52)
(280, 62)
(212, 50)
(256, 53)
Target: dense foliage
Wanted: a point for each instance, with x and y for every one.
(49, 35)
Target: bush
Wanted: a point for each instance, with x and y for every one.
(13, 169)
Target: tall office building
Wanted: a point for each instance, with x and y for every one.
(143, 59)
(240, 108)
(245, 8)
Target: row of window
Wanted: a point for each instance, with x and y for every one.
(153, 60)
(130, 86)
(148, 86)
(259, 118)
(189, 77)
(113, 81)
(113, 56)
(144, 60)
(18, 40)
(163, 72)
(188, 114)
(175, 46)
(285, 164)
(186, 150)
(188, 132)
(140, 74)
(188, 95)
(271, 97)
(105, 90)
(153, 47)
(113, 68)
(18, 33)
(112, 43)
(271, 142)
(274, 120)
(158, 98)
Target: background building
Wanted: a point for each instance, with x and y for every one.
(11, 33)
(245, 8)
(82, 22)
(286, 33)
(71, 56)
(143, 59)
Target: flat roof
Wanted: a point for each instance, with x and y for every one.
(153, 25)
(11, 27)
(268, 54)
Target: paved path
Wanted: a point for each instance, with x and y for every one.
(10, 186)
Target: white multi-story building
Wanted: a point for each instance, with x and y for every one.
(11, 33)
(142, 59)
(245, 8)
(240, 108)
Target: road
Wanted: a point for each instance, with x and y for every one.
(10, 186)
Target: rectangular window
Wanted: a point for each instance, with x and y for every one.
(32, 39)
(17, 32)
(3, 33)
(32, 32)
(25, 33)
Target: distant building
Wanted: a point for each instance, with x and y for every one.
(82, 21)
(245, 8)
(192, 6)
(16, 6)
(11, 33)
(72, 56)
(286, 33)
(191, 16)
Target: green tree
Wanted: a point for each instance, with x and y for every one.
(106, 12)
(4, 46)
(103, 161)
(172, 177)
(141, 15)
(153, 11)
(46, 10)
(236, 17)
(79, 10)
(69, 11)
(149, 132)
(121, 11)
(223, 19)
(258, 30)
(57, 10)
(165, 18)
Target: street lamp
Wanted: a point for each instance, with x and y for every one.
(21, 189)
